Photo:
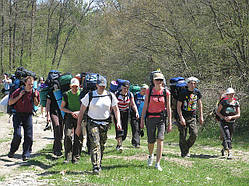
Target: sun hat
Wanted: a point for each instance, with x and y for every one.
(74, 82)
(230, 91)
(144, 86)
(192, 79)
(158, 76)
(102, 81)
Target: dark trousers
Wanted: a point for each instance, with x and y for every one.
(97, 136)
(57, 122)
(227, 130)
(185, 143)
(22, 120)
(135, 129)
(124, 115)
(72, 143)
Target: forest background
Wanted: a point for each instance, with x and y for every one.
(208, 39)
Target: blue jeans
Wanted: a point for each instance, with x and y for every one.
(22, 120)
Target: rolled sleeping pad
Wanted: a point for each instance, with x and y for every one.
(58, 97)
(43, 96)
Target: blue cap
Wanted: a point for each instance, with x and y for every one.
(102, 81)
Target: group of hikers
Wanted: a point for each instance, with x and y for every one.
(84, 115)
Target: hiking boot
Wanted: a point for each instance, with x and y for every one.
(10, 155)
(25, 158)
(229, 157)
(150, 160)
(95, 170)
(119, 148)
(223, 153)
(58, 153)
(158, 167)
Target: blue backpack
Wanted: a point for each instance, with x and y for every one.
(116, 85)
(177, 84)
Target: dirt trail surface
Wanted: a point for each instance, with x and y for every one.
(9, 166)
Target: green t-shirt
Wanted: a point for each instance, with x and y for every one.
(72, 100)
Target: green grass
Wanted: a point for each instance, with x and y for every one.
(204, 167)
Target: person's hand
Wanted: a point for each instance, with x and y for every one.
(48, 119)
(201, 120)
(75, 114)
(169, 129)
(36, 93)
(228, 118)
(119, 127)
(22, 93)
(182, 121)
(137, 115)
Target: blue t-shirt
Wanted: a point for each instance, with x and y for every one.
(139, 100)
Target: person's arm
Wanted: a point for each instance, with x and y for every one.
(144, 110)
(200, 111)
(218, 112)
(169, 113)
(179, 111)
(13, 100)
(64, 109)
(48, 109)
(236, 116)
(134, 106)
(117, 116)
(80, 118)
(36, 98)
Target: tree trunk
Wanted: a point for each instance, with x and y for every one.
(10, 35)
(2, 37)
(14, 35)
(33, 3)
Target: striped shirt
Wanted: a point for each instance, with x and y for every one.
(124, 101)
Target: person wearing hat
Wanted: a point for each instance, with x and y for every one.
(99, 103)
(156, 108)
(135, 124)
(6, 83)
(125, 102)
(186, 108)
(71, 106)
(228, 111)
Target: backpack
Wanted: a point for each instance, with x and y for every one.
(89, 83)
(52, 78)
(216, 108)
(116, 85)
(177, 84)
(43, 96)
(135, 89)
(64, 81)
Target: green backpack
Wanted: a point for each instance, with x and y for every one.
(135, 89)
(64, 81)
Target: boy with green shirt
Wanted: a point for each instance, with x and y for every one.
(71, 106)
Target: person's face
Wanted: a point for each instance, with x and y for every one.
(74, 88)
(100, 88)
(158, 81)
(29, 83)
(125, 89)
(143, 91)
(230, 95)
(191, 85)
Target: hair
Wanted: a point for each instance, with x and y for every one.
(27, 78)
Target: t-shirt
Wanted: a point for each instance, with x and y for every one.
(229, 108)
(53, 105)
(100, 107)
(157, 101)
(7, 84)
(139, 100)
(72, 100)
(26, 103)
(189, 101)
(124, 101)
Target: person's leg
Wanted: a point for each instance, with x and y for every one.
(160, 137)
(193, 132)
(103, 137)
(84, 136)
(17, 136)
(124, 122)
(135, 129)
(151, 134)
(182, 139)
(58, 132)
(68, 139)
(229, 139)
(28, 136)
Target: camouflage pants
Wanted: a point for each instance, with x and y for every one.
(97, 136)
(184, 143)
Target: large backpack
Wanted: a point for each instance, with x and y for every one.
(116, 85)
(135, 89)
(64, 81)
(52, 78)
(89, 83)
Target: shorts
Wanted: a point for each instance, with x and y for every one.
(155, 129)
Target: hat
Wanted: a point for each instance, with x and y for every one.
(74, 82)
(158, 76)
(144, 86)
(192, 79)
(102, 81)
(230, 91)
(126, 84)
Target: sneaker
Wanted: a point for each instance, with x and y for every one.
(222, 152)
(158, 167)
(229, 157)
(137, 146)
(95, 170)
(66, 161)
(188, 155)
(25, 158)
(150, 160)
(10, 155)
(119, 148)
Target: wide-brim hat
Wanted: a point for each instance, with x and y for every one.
(192, 79)
(158, 76)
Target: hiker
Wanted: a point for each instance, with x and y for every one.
(228, 111)
(186, 108)
(125, 102)
(23, 99)
(54, 115)
(41, 85)
(156, 105)
(135, 123)
(99, 104)
(6, 83)
(71, 106)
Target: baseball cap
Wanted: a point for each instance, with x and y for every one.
(102, 81)
(144, 86)
(192, 79)
(230, 91)
(126, 84)
(74, 82)
(158, 76)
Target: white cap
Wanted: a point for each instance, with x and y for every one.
(230, 91)
(192, 79)
(74, 82)
(145, 86)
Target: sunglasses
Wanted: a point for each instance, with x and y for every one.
(158, 79)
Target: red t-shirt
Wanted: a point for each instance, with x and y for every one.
(26, 102)
(156, 103)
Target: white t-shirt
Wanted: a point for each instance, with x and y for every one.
(99, 107)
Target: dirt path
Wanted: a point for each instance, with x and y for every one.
(9, 166)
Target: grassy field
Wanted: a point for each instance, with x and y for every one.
(204, 167)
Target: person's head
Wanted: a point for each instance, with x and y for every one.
(230, 92)
(41, 80)
(125, 87)
(144, 87)
(158, 79)
(192, 83)
(6, 75)
(29, 82)
(74, 84)
(101, 84)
